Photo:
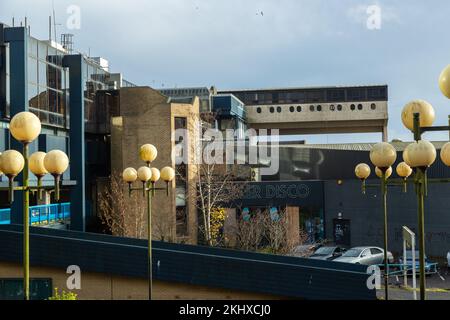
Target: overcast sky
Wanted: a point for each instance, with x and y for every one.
(264, 43)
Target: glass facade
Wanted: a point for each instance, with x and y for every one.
(48, 88)
(47, 83)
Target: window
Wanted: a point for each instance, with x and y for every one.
(377, 93)
(258, 110)
(373, 106)
(272, 109)
(180, 123)
(339, 107)
(375, 251)
(365, 253)
(311, 108)
(360, 106)
(315, 96)
(332, 107)
(352, 107)
(319, 108)
(279, 109)
(291, 109)
(299, 109)
(356, 94)
(336, 95)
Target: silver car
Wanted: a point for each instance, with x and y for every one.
(365, 255)
(448, 259)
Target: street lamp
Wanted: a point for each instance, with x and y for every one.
(362, 171)
(421, 155)
(383, 156)
(148, 176)
(418, 116)
(25, 127)
(404, 171)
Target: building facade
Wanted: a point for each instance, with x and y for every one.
(318, 110)
(73, 96)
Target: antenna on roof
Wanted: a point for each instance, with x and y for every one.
(49, 28)
(54, 19)
(13, 22)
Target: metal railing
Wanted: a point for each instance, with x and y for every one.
(42, 215)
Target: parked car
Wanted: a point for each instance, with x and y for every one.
(430, 267)
(448, 259)
(365, 255)
(304, 251)
(328, 253)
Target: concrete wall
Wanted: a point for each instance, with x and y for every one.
(98, 286)
(290, 121)
(366, 215)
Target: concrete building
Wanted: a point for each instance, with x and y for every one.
(147, 116)
(69, 93)
(318, 110)
(187, 93)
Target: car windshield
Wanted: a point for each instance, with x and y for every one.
(352, 253)
(324, 251)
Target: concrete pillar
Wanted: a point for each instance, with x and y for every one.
(76, 66)
(18, 60)
(385, 134)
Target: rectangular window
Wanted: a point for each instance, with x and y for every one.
(336, 95)
(315, 96)
(356, 94)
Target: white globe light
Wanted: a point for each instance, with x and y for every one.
(383, 155)
(362, 171)
(420, 154)
(25, 127)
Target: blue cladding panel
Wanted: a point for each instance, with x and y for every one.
(18, 53)
(76, 66)
(228, 105)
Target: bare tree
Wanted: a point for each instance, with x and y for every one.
(124, 215)
(262, 232)
(216, 188)
(250, 233)
(212, 184)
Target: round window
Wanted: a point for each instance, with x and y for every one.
(259, 110)
(272, 109)
(279, 109)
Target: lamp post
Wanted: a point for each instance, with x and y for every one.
(25, 127)
(418, 116)
(382, 156)
(148, 176)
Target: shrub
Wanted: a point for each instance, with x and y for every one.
(64, 295)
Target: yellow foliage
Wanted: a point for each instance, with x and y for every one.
(218, 216)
